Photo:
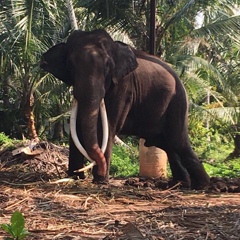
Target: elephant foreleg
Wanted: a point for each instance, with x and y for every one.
(76, 160)
(107, 154)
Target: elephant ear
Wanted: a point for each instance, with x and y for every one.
(124, 59)
(54, 61)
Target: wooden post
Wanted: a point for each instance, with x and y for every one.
(152, 31)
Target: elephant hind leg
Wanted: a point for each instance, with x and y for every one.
(185, 164)
(179, 173)
(177, 141)
(195, 168)
(187, 169)
(190, 162)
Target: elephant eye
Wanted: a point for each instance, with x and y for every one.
(43, 64)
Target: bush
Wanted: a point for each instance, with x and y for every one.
(204, 140)
(228, 169)
(125, 162)
(4, 139)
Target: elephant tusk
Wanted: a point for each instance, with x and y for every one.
(74, 136)
(73, 130)
(104, 125)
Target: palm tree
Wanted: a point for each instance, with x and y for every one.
(25, 27)
(71, 15)
(209, 61)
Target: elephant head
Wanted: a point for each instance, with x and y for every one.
(118, 58)
(54, 61)
(91, 62)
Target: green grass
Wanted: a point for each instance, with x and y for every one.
(215, 162)
(7, 142)
(125, 162)
(224, 169)
(4, 139)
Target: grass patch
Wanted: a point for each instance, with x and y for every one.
(7, 142)
(224, 169)
(216, 164)
(4, 139)
(125, 161)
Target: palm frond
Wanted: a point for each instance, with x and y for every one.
(178, 15)
(228, 26)
(230, 115)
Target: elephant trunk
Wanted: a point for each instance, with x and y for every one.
(93, 153)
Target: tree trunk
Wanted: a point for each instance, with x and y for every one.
(236, 151)
(58, 131)
(71, 15)
(6, 124)
(237, 145)
(30, 118)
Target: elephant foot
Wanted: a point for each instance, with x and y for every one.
(199, 177)
(100, 180)
(97, 178)
(200, 184)
(180, 175)
(179, 184)
(183, 182)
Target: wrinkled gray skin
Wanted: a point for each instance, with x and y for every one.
(143, 96)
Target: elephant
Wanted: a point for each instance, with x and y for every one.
(143, 96)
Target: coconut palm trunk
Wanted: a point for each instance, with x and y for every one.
(71, 15)
(31, 126)
(27, 104)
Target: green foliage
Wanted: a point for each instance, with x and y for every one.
(205, 134)
(208, 54)
(223, 169)
(125, 161)
(7, 142)
(16, 227)
(213, 149)
(217, 165)
(4, 139)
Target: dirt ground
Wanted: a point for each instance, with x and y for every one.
(124, 209)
